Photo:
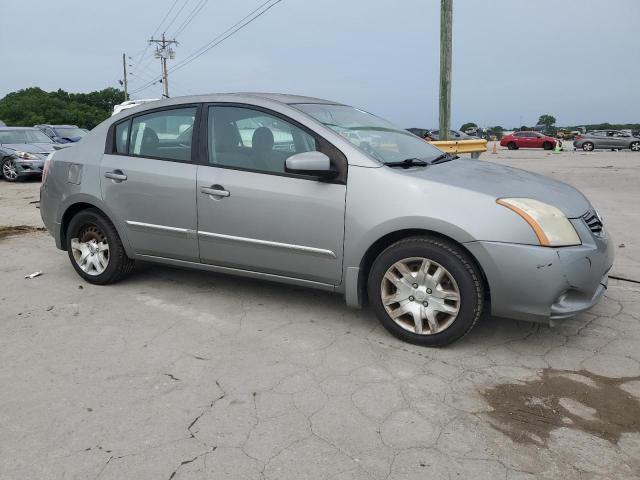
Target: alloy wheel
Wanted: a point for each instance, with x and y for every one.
(10, 170)
(420, 295)
(635, 146)
(91, 250)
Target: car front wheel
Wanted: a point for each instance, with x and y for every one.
(95, 249)
(426, 291)
(9, 170)
(587, 146)
(512, 146)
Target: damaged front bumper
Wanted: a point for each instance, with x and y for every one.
(544, 284)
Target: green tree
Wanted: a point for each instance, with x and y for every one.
(32, 106)
(468, 125)
(547, 120)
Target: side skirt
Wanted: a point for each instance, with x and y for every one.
(237, 272)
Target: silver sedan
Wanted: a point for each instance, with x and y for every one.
(607, 139)
(319, 194)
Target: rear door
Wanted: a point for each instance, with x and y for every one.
(148, 180)
(254, 216)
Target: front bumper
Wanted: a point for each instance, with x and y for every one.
(29, 167)
(544, 284)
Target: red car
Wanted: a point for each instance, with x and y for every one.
(528, 140)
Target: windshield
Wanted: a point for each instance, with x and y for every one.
(23, 136)
(70, 132)
(382, 140)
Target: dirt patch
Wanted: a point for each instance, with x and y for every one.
(12, 230)
(528, 412)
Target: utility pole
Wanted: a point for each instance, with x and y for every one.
(446, 24)
(124, 81)
(164, 52)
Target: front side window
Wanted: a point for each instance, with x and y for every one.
(382, 140)
(165, 134)
(251, 139)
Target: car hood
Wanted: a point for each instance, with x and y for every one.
(30, 147)
(500, 182)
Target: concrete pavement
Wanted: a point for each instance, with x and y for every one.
(176, 374)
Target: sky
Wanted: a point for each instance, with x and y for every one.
(513, 60)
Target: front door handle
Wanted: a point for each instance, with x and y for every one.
(215, 191)
(116, 175)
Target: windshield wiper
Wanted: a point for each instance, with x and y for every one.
(445, 157)
(408, 162)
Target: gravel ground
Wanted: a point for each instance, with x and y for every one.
(175, 374)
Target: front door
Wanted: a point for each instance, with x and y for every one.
(149, 183)
(252, 215)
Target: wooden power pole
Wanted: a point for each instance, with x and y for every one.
(124, 80)
(446, 21)
(164, 52)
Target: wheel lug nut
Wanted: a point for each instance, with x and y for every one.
(415, 285)
(411, 299)
(426, 304)
(428, 290)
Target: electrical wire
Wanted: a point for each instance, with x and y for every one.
(190, 17)
(239, 25)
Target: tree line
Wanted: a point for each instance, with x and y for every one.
(33, 106)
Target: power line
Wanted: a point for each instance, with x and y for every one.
(176, 15)
(190, 17)
(239, 25)
(217, 41)
(157, 29)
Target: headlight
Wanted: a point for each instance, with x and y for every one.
(25, 155)
(550, 225)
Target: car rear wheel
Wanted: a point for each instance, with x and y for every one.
(95, 249)
(512, 146)
(587, 146)
(9, 170)
(635, 146)
(547, 145)
(426, 291)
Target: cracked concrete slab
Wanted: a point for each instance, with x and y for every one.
(174, 375)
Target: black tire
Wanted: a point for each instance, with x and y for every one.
(461, 267)
(512, 146)
(5, 176)
(118, 266)
(547, 145)
(635, 146)
(588, 146)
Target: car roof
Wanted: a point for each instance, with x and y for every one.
(244, 96)
(56, 126)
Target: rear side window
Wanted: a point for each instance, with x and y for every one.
(165, 135)
(122, 136)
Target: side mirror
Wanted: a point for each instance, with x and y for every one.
(310, 163)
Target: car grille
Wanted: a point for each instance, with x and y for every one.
(593, 221)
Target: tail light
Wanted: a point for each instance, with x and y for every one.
(47, 165)
(578, 137)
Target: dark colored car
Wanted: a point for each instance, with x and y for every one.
(63, 133)
(528, 140)
(23, 151)
(608, 139)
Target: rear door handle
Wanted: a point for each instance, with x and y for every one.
(215, 191)
(116, 175)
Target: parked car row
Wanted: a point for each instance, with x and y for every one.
(430, 135)
(23, 150)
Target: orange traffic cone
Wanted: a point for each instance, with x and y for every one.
(495, 148)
